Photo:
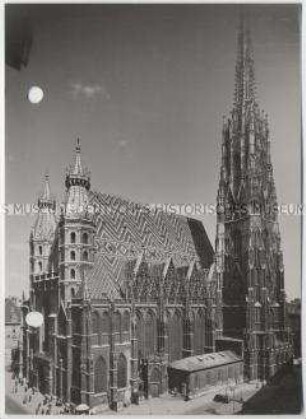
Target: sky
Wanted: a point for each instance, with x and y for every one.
(145, 87)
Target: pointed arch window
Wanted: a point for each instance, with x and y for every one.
(100, 371)
(117, 326)
(40, 250)
(85, 256)
(150, 334)
(199, 333)
(175, 339)
(105, 323)
(72, 237)
(72, 273)
(122, 371)
(72, 255)
(140, 333)
(40, 266)
(95, 321)
(126, 326)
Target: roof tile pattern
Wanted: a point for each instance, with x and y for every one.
(126, 230)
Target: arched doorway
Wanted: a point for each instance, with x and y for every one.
(43, 374)
(101, 375)
(155, 383)
(122, 372)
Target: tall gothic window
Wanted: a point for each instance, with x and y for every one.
(72, 255)
(95, 319)
(150, 334)
(100, 371)
(117, 326)
(105, 323)
(126, 325)
(72, 237)
(72, 274)
(199, 333)
(85, 256)
(40, 250)
(105, 328)
(140, 333)
(40, 266)
(122, 371)
(175, 339)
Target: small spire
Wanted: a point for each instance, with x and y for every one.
(245, 88)
(46, 195)
(46, 200)
(78, 169)
(77, 174)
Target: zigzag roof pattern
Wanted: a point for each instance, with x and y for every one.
(126, 230)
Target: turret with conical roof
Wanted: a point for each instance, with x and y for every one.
(76, 229)
(43, 232)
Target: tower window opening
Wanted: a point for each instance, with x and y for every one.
(40, 250)
(85, 238)
(72, 255)
(72, 274)
(72, 237)
(85, 256)
(40, 266)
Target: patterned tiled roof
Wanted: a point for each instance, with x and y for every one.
(126, 230)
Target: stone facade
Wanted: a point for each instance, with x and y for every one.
(248, 244)
(114, 317)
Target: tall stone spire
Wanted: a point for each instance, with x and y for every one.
(248, 253)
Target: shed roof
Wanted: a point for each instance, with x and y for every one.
(205, 361)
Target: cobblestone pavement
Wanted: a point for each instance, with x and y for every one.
(175, 405)
(163, 405)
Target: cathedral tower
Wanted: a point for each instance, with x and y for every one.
(76, 229)
(249, 257)
(42, 234)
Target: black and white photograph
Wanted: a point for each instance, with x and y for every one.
(153, 209)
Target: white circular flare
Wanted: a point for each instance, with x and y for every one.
(35, 94)
(34, 319)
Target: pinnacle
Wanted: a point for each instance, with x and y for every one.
(46, 194)
(245, 89)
